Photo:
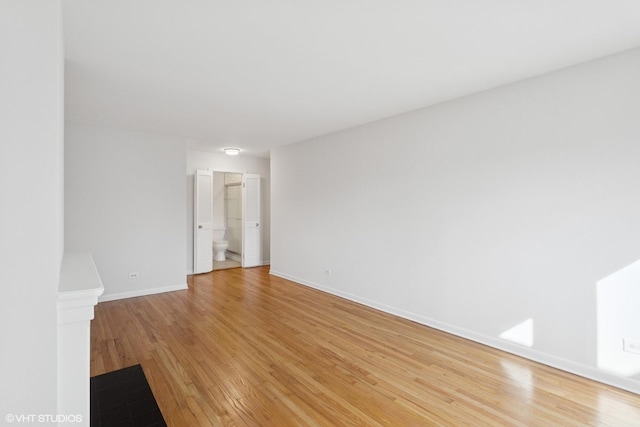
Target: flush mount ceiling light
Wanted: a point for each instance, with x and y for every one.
(232, 151)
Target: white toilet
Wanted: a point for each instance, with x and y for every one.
(219, 244)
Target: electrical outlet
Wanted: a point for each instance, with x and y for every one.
(134, 275)
(631, 346)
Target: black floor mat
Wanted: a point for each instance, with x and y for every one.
(123, 398)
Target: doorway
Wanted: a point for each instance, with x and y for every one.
(227, 206)
(228, 196)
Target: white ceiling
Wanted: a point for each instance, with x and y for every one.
(258, 74)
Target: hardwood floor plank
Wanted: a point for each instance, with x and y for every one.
(243, 348)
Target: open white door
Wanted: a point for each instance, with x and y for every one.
(203, 222)
(251, 236)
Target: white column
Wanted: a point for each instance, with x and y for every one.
(80, 287)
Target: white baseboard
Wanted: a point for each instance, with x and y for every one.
(141, 293)
(528, 353)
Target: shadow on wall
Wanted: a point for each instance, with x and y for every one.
(618, 305)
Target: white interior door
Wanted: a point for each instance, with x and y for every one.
(203, 222)
(251, 235)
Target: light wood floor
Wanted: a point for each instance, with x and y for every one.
(241, 347)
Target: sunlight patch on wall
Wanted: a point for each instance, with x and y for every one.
(522, 333)
(618, 305)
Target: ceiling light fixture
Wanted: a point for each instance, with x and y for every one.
(232, 151)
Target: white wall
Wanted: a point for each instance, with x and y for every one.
(480, 214)
(31, 207)
(223, 163)
(124, 203)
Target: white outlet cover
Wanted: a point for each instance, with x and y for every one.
(631, 346)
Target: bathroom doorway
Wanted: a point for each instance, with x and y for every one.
(236, 219)
(228, 217)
